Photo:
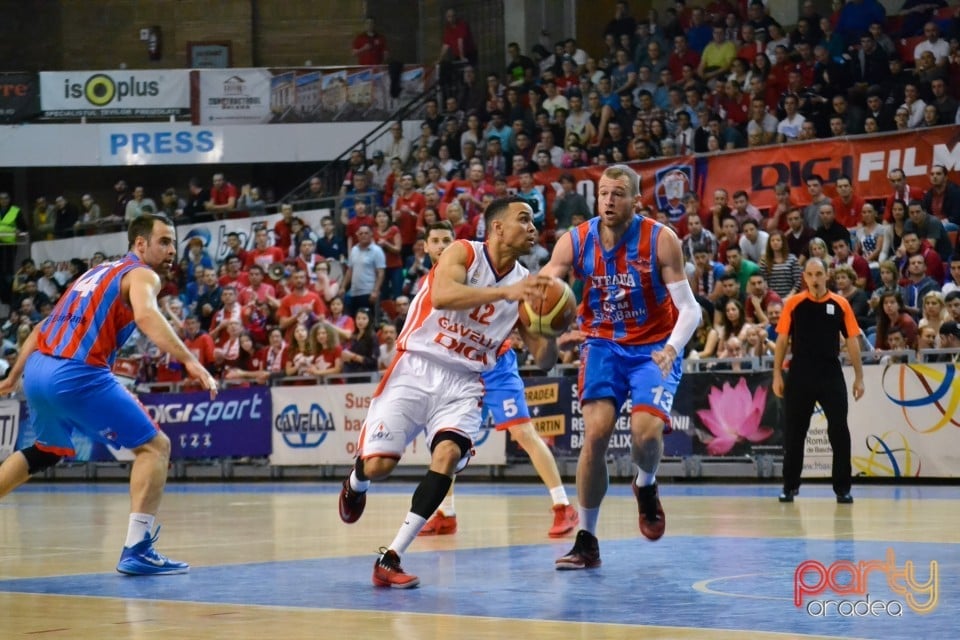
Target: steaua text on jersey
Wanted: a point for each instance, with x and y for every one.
(467, 340)
(91, 321)
(624, 296)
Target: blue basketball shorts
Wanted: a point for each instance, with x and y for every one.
(609, 370)
(504, 401)
(64, 394)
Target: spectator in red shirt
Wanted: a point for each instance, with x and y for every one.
(457, 40)
(308, 259)
(258, 290)
(901, 191)
(249, 365)
(233, 275)
(282, 232)
(846, 205)
(261, 254)
(223, 196)
(301, 306)
(231, 311)
(235, 246)
(407, 207)
(361, 219)
(370, 47)
(326, 352)
(387, 236)
(462, 229)
(198, 341)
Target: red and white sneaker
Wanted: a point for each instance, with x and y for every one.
(439, 525)
(565, 519)
(653, 522)
(352, 503)
(388, 573)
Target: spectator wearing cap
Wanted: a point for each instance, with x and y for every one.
(379, 170)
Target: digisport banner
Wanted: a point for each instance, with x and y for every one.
(111, 94)
(9, 426)
(257, 96)
(320, 425)
(19, 97)
(865, 159)
(213, 234)
(235, 423)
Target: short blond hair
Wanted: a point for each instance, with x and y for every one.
(618, 171)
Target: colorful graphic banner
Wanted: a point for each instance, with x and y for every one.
(19, 97)
(257, 96)
(320, 425)
(111, 94)
(235, 423)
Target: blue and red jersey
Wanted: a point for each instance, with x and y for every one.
(91, 321)
(624, 296)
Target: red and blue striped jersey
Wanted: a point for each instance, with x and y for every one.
(91, 321)
(624, 296)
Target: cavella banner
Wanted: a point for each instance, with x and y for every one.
(865, 159)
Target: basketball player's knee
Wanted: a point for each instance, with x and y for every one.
(523, 434)
(451, 448)
(159, 446)
(38, 460)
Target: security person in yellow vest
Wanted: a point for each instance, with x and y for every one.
(10, 222)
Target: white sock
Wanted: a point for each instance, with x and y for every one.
(645, 479)
(141, 524)
(588, 519)
(358, 485)
(447, 506)
(559, 496)
(408, 532)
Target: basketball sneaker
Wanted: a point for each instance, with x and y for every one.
(439, 525)
(565, 518)
(143, 560)
(584, 555)
(653, 522)
(845, 498)
(387, 572)
(352, 503)
(787, 495)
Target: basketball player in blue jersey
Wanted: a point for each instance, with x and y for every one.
(505, 403)
(65, 365)
(637, 314)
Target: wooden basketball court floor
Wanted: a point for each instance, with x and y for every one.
(273, 560)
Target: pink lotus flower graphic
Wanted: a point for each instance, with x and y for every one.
(734, 415)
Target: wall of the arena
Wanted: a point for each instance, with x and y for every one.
(905, 427)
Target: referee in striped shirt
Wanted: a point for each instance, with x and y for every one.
(811, 325)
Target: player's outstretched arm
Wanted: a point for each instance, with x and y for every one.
(449, 289)
(9, 384)
(561, 260)
(144, 285)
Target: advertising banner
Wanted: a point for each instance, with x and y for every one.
(110, 94)
(320, 425)
(19, 96)
(234, 96)
(9, 426)
(236, 423)
(259, 96)
(865, 159)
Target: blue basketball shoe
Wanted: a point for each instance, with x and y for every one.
(143, 560)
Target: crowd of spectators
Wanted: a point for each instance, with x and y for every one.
(331, 301)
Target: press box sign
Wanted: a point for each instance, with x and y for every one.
(169, 143)
(122, 93)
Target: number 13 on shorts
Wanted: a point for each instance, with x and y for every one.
(662, 398)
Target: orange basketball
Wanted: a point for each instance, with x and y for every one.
(553, 314)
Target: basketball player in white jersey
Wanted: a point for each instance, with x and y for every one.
(456, 323)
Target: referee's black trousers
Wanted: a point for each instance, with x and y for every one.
(803, 389)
